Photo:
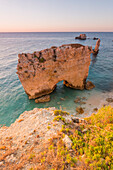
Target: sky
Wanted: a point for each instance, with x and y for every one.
(56, 15)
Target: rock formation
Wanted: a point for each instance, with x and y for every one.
(89, 85)
(43, 99)
(40, 71)
(81, 37)
(95, 38)
(95, 51)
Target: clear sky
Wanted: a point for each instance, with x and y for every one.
(56, 15)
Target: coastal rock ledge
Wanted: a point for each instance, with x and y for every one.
(40, 71)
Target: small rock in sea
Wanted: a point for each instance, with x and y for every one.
(89, 85)
(83, 98)
(95, 38)
(109, 99)
(79, 110)
(82, 102)
(81, 37)
(62, 99)
(77, 100)
(43, 99)
(67, 141)
(58, 103)
(95, 109)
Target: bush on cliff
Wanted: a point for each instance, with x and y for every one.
(92, 144)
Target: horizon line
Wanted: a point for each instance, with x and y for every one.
(47, 31)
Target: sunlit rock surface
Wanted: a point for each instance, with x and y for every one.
(40, 71)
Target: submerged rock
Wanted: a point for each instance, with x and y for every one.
(43, 99)
(79, 110)
(89, 85)
(40, 71)
(109, 99)
(81, 37)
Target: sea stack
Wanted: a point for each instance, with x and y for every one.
(40, 71)
(95, 51)
(81, 37)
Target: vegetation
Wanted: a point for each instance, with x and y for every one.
(91, 148)
(60, 112)
(92, 144)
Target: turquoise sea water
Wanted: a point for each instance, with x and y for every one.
(13, 99)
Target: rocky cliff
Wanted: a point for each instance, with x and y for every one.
(40, 71)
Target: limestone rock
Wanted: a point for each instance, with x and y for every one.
(43, 99)
(109, 99)
(78, 120)
(95, 109)
(81, 37)
(41, 71)
(95, 51)
(95, 38)
(67, 141)
(79, 110)
(89, 85)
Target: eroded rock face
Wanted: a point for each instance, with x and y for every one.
(40, 71)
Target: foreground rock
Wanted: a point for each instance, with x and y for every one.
(29, 134)
(43, 99)
(40, 71)
(81, 37)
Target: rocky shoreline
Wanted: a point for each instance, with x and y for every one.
(32, 128)
(37, 137)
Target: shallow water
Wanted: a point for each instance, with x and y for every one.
(13, 99)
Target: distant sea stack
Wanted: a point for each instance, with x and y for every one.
(81, 37)
(96, 50)
(40, 71)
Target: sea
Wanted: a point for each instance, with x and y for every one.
(14, 100)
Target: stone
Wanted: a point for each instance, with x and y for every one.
(95, 51)
(95, 109)
(69, 63)
(62, 98)
(109, 99)
(43, 99)
(1, 163)
(77, 100)
(78, 120)
(81, 37)
(82, 102)
(67, 142)
(85, 130)
(95, 38)
(89, 85)
(11, 158)
(79, 110)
